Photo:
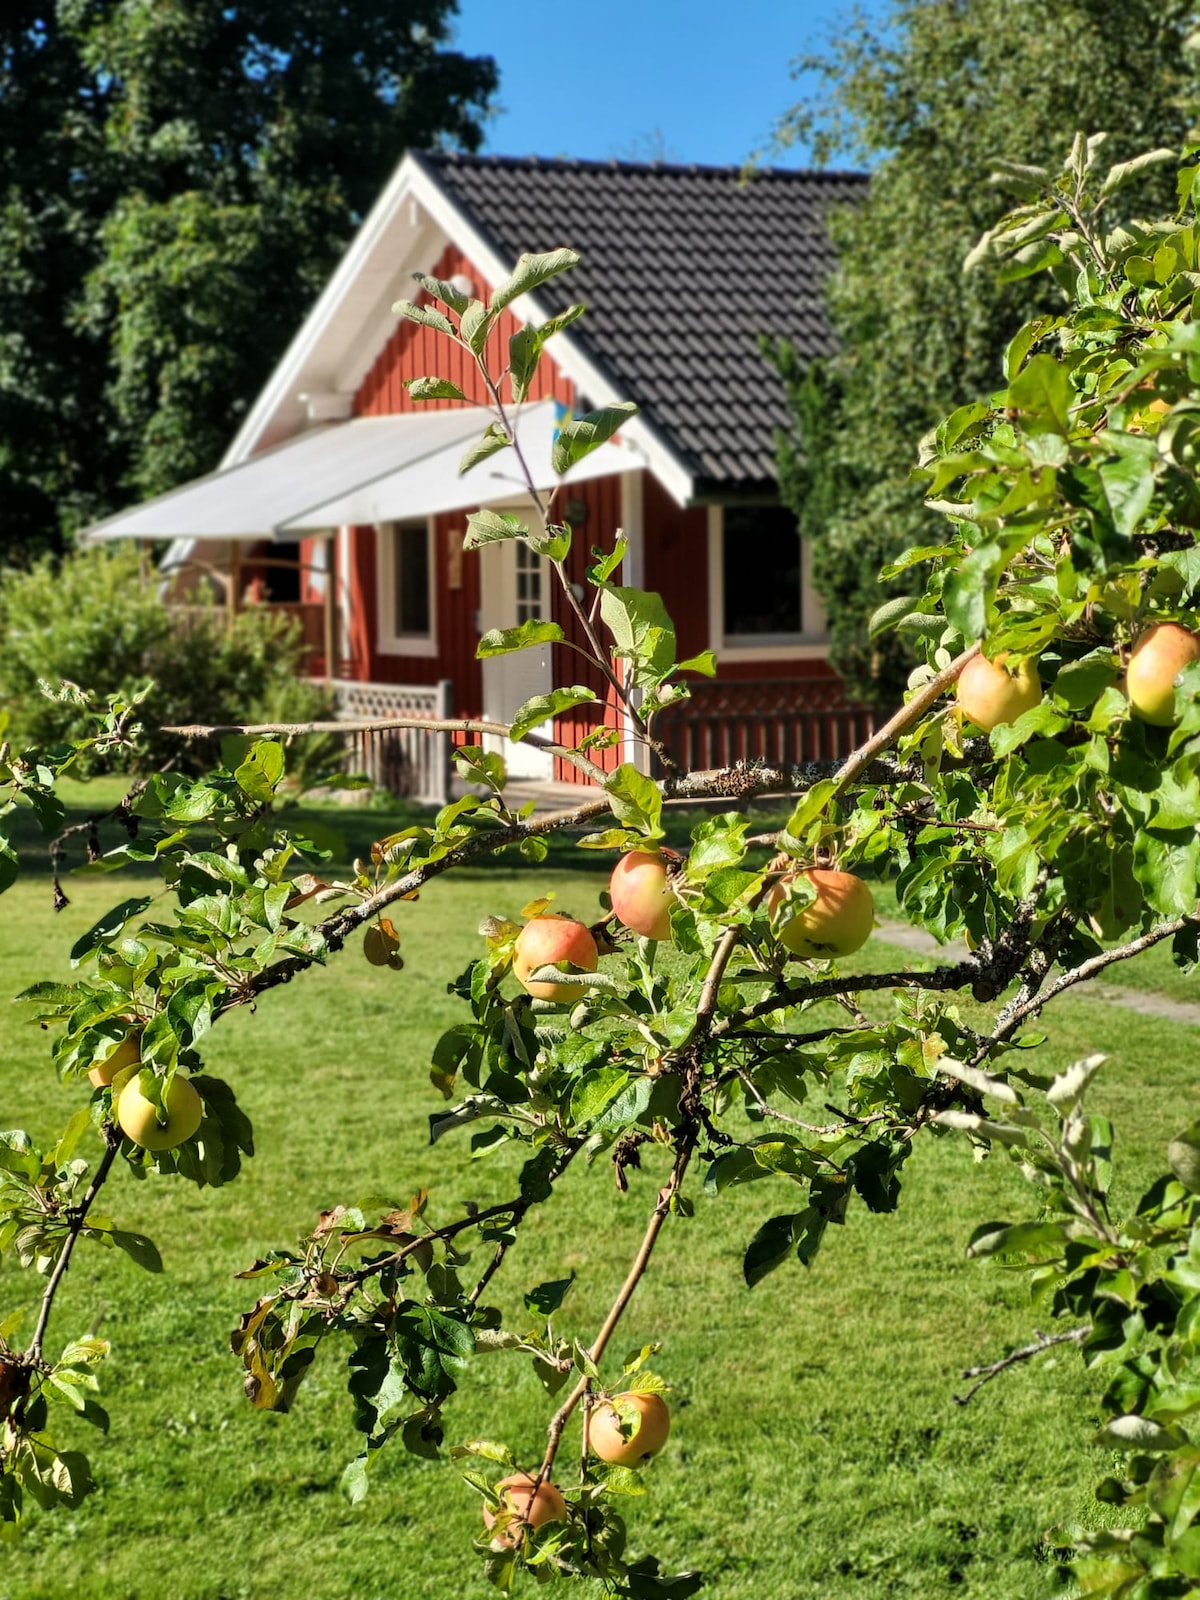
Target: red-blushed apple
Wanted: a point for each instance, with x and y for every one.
(547, 1505)
(139, 1116)
(633, 1444)
(639, 894)
(836, 923)
(1158, 658)
(991, 693)
(120, 1056)
(544, 942)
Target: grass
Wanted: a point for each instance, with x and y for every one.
(816, 1453)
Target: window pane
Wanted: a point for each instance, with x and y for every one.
(761, 562)
(412, 578)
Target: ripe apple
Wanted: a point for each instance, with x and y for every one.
(632, 1448)
(544, 942)
(547, 1505)
(138, 1116)
(837, 923)
(991, 693)
(1158, 658)
(120, 1056)
(639, 893)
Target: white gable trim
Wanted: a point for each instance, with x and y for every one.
(415, 207)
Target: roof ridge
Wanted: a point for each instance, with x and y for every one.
(536, 163)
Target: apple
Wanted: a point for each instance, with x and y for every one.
(837, 923)
(634, 1446)
(1158, 658)
(138, 1116)
(121, 1055)
(991, 693)
(640, 896)
(544, 942)
(547, 1505)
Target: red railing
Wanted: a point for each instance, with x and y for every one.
(777, 720)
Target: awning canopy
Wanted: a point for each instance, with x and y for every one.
(370, 469)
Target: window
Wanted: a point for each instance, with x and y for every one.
(761, 604)
(529, 583)
(406, 609)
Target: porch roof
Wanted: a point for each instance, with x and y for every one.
(370, 469)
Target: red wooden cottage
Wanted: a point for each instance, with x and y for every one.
(683, 269)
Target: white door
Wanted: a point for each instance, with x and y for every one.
(515, 588)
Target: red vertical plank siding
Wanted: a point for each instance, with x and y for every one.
(602, 499)
(413, 351)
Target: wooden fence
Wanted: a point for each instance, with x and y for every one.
(777, 720)
(409, 762)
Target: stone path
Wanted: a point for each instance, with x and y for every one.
(921, 943)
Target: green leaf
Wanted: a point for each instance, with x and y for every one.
(433, 389)
(441, 289)
(541, 707)
(595, 1091)
(503, 641)
(1183, 1156)
(1080, 684)
(524, 353)
(547, 1297)
(970, 587)
(891, 613)
(426, 316)
(642, 630)
(1042, 391)
(108, 927)
(770, 1247)
(705, 664)
(490, 527)
(530, 272)
(138, 1247)
(476, 324)
(1125, 170)
(582, 435)
(259, 774)
(636, 800)
(494, 438)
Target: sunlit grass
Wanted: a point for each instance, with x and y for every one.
(816, 1453)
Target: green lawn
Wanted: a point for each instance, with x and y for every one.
(816, 1453)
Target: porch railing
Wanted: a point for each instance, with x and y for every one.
(411, 762)
(778, 720)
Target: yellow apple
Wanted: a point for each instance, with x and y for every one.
(991, 692)
(544, 942)
(639, 894)
(633, 1446)
(837, 923)
(139, 1117)
(122, 1055)
(547, 1505)
(1158, 658)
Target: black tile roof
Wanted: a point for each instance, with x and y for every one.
(682, 269)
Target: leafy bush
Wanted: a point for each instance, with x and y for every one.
(92, 620)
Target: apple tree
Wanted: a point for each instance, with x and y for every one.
(1038, 793)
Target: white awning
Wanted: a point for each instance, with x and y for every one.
(370, 469)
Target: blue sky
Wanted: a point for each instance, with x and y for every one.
(678, 80)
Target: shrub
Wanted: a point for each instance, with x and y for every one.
(92, 620)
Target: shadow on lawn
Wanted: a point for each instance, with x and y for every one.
(348, 831)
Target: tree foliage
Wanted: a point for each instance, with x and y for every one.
(1063, 841)
(176, 183)
(929, 97)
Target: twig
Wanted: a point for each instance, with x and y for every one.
(1013, 1016)
(197, 730)
(1042, 1341)
(75, 1227)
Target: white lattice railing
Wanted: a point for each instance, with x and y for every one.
(406, 761)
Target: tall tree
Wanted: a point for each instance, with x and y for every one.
(176, 181)
(929, 96)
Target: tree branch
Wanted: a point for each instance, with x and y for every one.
(1042, 1341)
(75, 1228)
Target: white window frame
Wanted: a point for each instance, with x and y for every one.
(391, 643)
(810, 644)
